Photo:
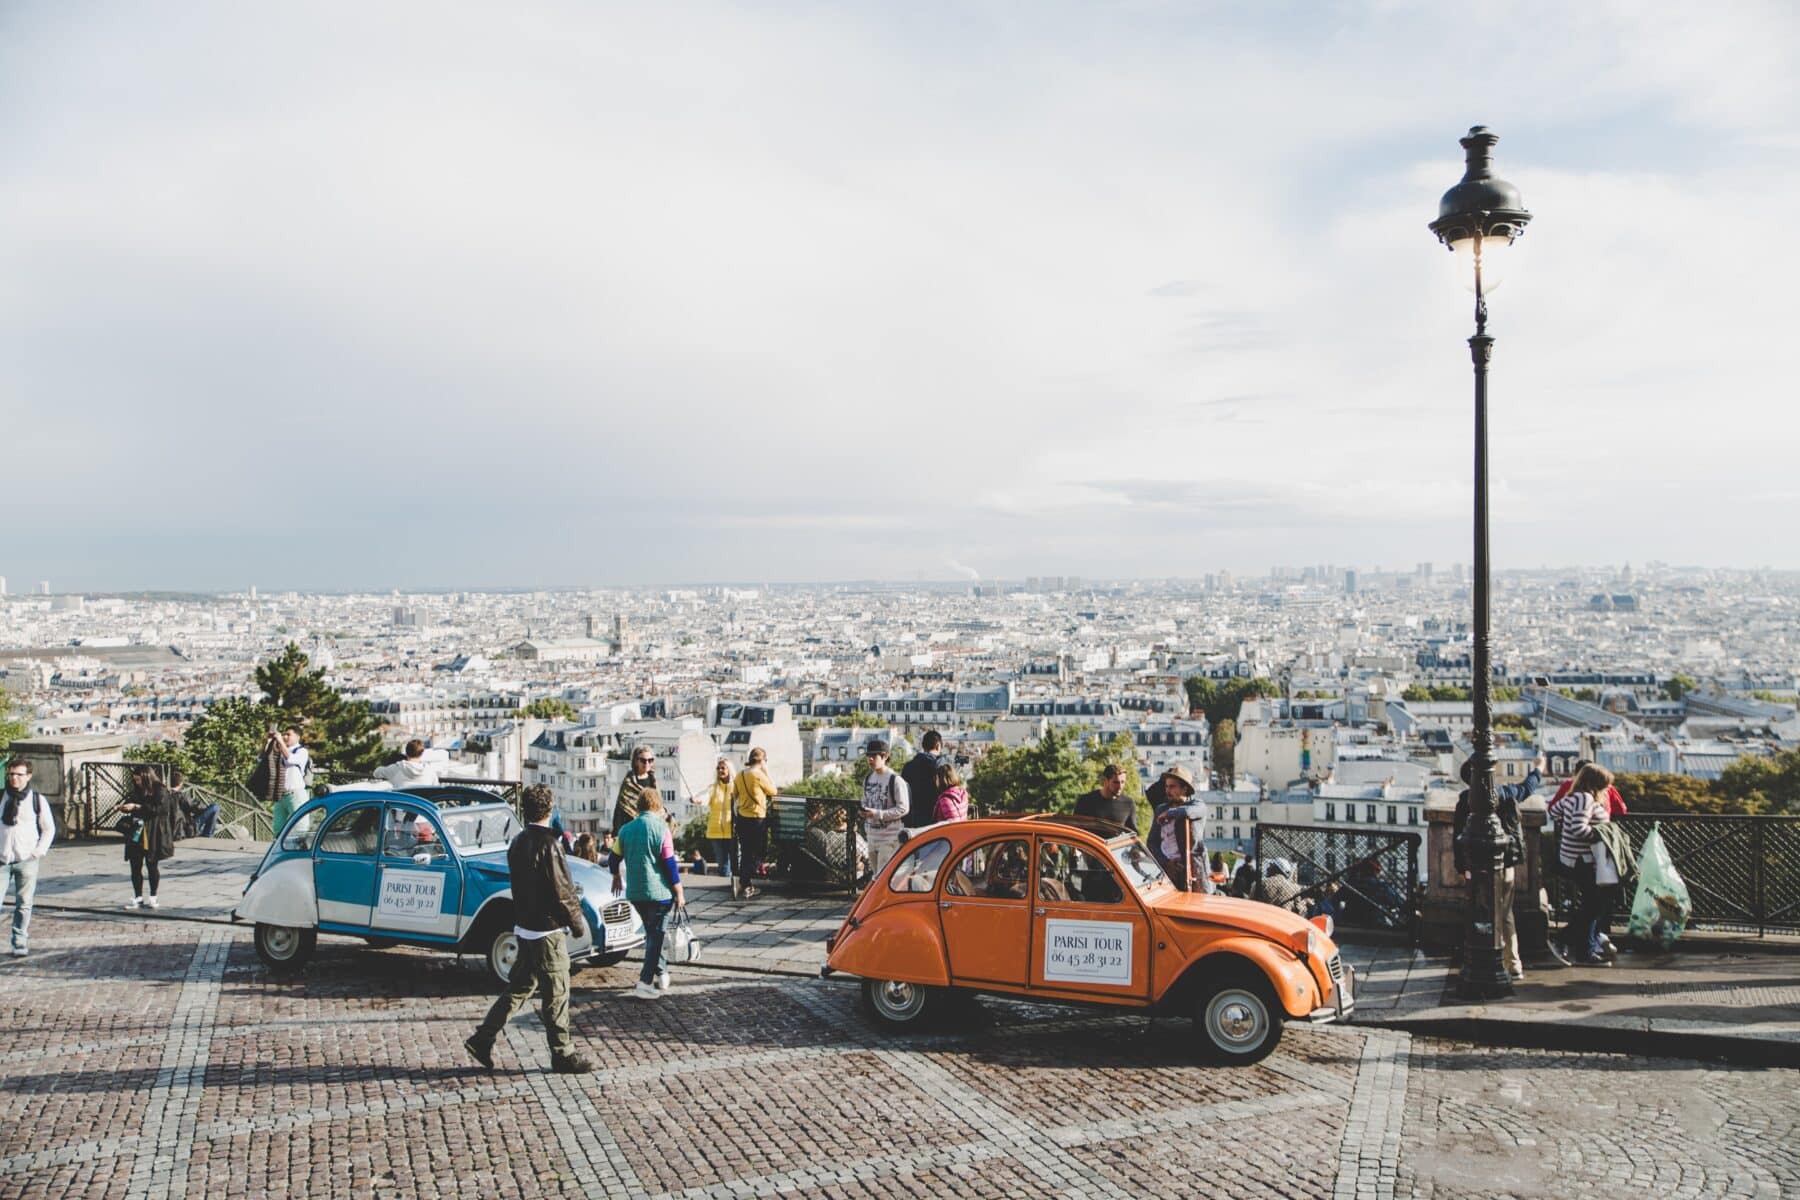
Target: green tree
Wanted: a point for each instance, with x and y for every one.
(1654, 792)
(550, 708)
(1505, 692)
(1048, 776)
(833, 785)
(164, 754)
(220, 745)
(1678, 686)
(10, 727)
(1221, 701)
(1762, 785)
(1224, 751)
(343, 735)
(858, 720)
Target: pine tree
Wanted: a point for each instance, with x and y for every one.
(342, 735)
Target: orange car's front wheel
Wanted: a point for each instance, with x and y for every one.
(1238, 1020)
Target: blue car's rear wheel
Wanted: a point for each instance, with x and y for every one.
(285, 947)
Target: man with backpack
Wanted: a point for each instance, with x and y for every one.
(920, 777)
(884, 806)
(26, 831)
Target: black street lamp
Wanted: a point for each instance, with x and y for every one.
(1478, 219)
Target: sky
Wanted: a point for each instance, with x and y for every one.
(415, 295)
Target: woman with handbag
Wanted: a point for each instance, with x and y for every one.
(149, 829)
(1576, 815)
(652, 883)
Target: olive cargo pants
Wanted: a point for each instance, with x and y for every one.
(542, 966)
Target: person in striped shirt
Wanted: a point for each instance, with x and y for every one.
(1575, 815)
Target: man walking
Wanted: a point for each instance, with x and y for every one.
(545, 910)
(920, 775)
(26, 831)
(1109, 801)
(884, 806)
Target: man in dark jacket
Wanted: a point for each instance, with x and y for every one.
(920, 775)
(1109, 801)
(1507, 797)
(545, 909)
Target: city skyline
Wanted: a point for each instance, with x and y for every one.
(622, 298)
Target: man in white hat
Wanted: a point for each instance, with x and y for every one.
(1177, 834)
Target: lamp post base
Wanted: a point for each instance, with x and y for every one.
(1487, 941)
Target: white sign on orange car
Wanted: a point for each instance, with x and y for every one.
(1087, 952)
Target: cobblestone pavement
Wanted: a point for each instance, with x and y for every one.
(148, 1058)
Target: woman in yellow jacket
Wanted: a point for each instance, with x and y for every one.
(718, 818)
(753, 792)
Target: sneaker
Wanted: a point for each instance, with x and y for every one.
(750, 893)
(479, 1051)
(1607, 948)
(20, 952)
(1559, 954)
(646, 991)
(662, 982)
(149, 901)
(1519, 974)
(573, 1064)
(135, 901)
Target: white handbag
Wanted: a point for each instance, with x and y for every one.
(1606, 871)
(679, 943)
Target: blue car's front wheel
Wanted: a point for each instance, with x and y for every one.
(285, 947)
(502, 953)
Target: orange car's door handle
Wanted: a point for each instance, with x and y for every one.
(945, 904)
(1038, 911)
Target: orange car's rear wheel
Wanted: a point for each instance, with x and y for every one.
(898, 1005)
(1238, 1020)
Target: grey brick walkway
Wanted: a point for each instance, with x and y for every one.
(152, 1057)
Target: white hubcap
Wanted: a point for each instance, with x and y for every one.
(281, 941)
(505, 954)
(898, 1000)
(1236, 1019)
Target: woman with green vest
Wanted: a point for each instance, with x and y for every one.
(652, 883)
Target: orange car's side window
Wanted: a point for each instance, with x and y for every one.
(918, 873)
(1071, 875)
(995, 870)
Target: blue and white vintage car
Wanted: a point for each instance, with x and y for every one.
(425, 867)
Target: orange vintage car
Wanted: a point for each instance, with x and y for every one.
(1076, 909)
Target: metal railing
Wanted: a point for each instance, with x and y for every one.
(816, 841)
(1742, 873)
(1367, 879)
(103, 786)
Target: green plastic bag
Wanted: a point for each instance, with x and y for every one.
(1662, 907)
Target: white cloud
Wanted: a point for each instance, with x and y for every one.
(1019, 280)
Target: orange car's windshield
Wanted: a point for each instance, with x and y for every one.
(1137, 864)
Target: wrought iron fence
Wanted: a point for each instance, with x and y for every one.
(1742, 873)
(1366, 879)
(816, 841)
(103, 786)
